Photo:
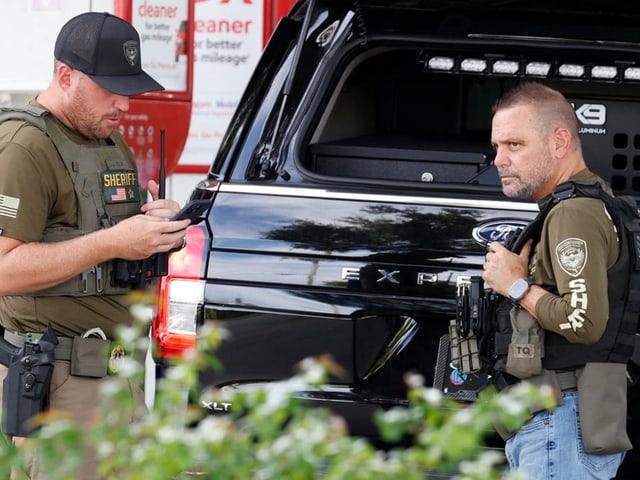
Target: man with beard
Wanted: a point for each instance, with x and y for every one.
(559, 287)
(72, 213)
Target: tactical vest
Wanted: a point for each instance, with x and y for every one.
(618, 343)
(107, 191)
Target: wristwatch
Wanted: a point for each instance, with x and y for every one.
(519, 289)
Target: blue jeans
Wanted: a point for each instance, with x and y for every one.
(549, 446)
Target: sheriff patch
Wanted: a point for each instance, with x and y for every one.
(120, 186)
(572, 256)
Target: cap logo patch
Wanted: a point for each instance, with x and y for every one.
(131, 52)
(572, 255)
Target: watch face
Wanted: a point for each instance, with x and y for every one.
(518, 289)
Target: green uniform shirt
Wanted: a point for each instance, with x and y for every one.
(39, 193)
(579, 244)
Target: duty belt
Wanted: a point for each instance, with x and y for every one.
(567, 380)
(62, 350)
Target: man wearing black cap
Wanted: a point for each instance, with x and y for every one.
(106, 49)
(72, 216)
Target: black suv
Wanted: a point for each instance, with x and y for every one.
(354, 189)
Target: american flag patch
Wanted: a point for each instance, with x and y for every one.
(120, 195)
(9, 206)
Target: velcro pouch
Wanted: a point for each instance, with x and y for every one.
(89, 357)
(524, 359)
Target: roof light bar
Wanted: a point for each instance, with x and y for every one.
(539, 69)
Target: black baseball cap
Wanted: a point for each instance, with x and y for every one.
(106, 49)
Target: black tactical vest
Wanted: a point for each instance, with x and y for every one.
(107, 191)
(618, 342)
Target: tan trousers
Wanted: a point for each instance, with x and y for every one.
(78, 399)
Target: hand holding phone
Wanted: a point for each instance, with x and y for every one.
(194, 211)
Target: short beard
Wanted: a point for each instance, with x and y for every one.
(526, 191)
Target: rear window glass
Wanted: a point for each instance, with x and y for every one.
(392, 118)
(388, 119)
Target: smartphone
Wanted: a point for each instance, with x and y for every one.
(194, 211)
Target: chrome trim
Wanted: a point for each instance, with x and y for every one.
(396, 345)
(322, 193)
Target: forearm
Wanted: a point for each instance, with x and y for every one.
(29, 267)
(573, 318)
(555, 314)
(577, 322)
(531, 298)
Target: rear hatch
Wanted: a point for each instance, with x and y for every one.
(354, 186)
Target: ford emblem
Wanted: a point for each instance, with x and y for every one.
(497, 231)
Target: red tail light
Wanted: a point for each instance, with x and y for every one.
(181, 296)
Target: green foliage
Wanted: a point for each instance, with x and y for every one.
(271, 434)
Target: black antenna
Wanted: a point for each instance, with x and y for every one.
(161, 264)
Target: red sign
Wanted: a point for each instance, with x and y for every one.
(166, 35)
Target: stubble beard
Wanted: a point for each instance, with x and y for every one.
(518, 190)
(537, 175)
(84, 120)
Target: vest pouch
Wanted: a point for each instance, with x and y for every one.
(89, 357)
(602, 396)
(524, 359)
(463, 351)
(494, 343)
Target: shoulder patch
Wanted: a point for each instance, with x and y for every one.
(572, 255)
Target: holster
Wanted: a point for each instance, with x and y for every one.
(26, 386)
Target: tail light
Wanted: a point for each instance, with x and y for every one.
(181, 297)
